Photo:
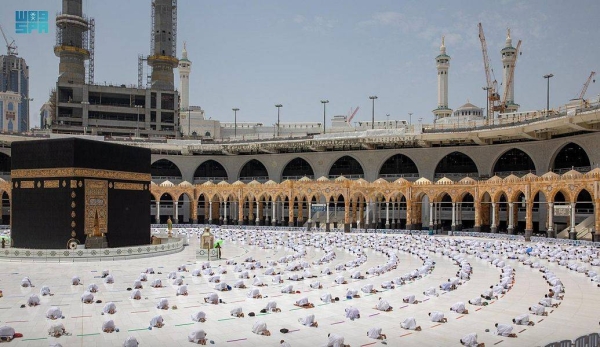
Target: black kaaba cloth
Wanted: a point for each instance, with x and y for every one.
(65, 189)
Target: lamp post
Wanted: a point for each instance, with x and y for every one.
(324, 102)
(83, 110)
(387, 122)
(278, 107)
(547, 77)
(137, 124)
(235, 109)
(373, 98)
(410, 118)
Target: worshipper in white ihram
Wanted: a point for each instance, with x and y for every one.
(199, 316)
(33, 300)
(383, 305)
(335, 340)
(437, 316)
(57, 330)
(45, 291)
(459, 307)
(504, 330)
(470, 340)
(260, 328)
(410, 324)
(157, 322)
(131, 342)
(109, 326)
(163, 304)
(197, 336)
(523, 319)
(309, 321)
(375, 333)
(136, 294)
(110, 308)
(352, 313)
(54, 313)
(237, 312)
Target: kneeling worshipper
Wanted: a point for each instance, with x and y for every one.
(410, 324)
(237, 312)
(197, 336)
(26, 282)
(410, 299)
(75, 281)
(131, 342)
(136, 294)
(254, 294)
(470, 340)
(505, 330)
(157, 322)
(156, 283)
(57, 330)
(199, 316)
(335, 340)
(271, 307)
(163, 304)
(109, 326)
(326, 298)
(523, 319)
(93, 288)
(109, 308)
(109, 279)
(8, 333)
(438, 317)
(352, 313)
(182, 290)
(459, 307)
(54, 313)
(87, 298)
(137, 284)
(33, 300)
(375, 333)
(383, 305)
(303, 302)
(212, 298)
(309, 321)
(260, 328)
(288, 289)
(45, 291)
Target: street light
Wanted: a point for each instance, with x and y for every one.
(374, 97)
(324, 102)
(410, 118)
(388, 120)
(235, 121)
(547, 77)
(84, 104)
(278, 107)
(137, 124)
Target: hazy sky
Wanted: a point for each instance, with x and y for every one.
(255, 54)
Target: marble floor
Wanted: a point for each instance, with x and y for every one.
(577, 315)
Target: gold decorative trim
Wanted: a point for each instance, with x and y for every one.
(73, 184)
(96, 207)
(79, 172)
(128, 186)
(51, 184)
(27, 184)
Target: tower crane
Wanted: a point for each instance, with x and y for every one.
(586, 85)
(11, 48)
(491, 85)
(511, 74)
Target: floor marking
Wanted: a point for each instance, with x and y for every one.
(498, 342)
(140, 311)
(478, 309)
(192, 306)
(374, 314)
(291, 331)
(368, 344)
(522, 331)
(231, 302)
(405, 334)
(39, 338)
(81, 317)
(541, 320)
(178, 325)
(425, 299)
(337, 322)
(297, 308)
(436, 325)
(459, 317)
(237, 340)
(219, 320)
(404, 306)
(551, 311)
(137, 329)
(92, 334)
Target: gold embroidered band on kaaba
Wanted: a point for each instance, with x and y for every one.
(79, 172)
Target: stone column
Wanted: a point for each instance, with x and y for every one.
(157, 212)
(551, 232)
(257, 220)
(210, 212)
(291, 212)
(528, 220)
(493, 227)
(367, 215)
(327, 216)
(261, 212)
(573, 231)
(176, 209)
(387, 215)
(511, 217)
(240, 212)
(431, 216)
(453, 216)
(274, 207)
(225, 217)
(347, 218)
(309, 221)
(194, 211)
(300, 212)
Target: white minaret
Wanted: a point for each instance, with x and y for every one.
(185, 67)
(442, 63)
(509, 56)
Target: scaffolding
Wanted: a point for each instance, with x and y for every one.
(174, 29)
(92, 38)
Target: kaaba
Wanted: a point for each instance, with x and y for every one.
(69, 191)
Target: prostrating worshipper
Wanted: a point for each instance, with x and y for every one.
(326, 271)
(212, 298)
(131, 342)
(477, 302)
(309, 321)
(303, 302)
(523, 319)
(316, 285)
(437, 316)
(335, 340)
(388, 285)
(357, 276)
(375, 333)
(239, 284)
(368, 288)
(383, 305)
(282, 343)
(222, 287)
(488, 294)
(430, 292)
(295, 277)
(137, 284)
(352, 294)
(157, 322)
(87, 298)
(109, 279)
(178, 281)
(410, 324)
(547, 302)
(26, 282)
(288, 289)
(214, 279)
(109, 308)
(196, 272)
(254, 293)
(197, 336)
(538, 310)
(156, 283)
(237, 312)
(136, 294)
(54, 313)
(33, 300)
(271, 307)
(105, 273)
(505, 330)
(352, 313)
(260, 328)
(470, 340)
(258, 282)
(75, 281)
(327, 298)
(277, 279)
(459, 307)
(199, 316)
(92, 288)
(108, 326)
(163, 304)
(8, 333)
(183, 290)
(57, 330)
(340, 280)
(410, 299)
(45, 291)
(172, 275)
(182, 268)
(149, 271)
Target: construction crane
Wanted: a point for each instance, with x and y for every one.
(586, 85)
(11, 48)
(491, 85)
(511, 74)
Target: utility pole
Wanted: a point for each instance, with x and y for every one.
(278, 107)
(324, 102)
(235, 121)
(373, 98)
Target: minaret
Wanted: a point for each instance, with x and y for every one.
(185, 67)
(71, 48)
(164, 39)
(442, 63)
(509, 56)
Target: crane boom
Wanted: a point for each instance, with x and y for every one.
(11, 48)
(511, 74)
(491, 84)
(586, 85)
(486, 59)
